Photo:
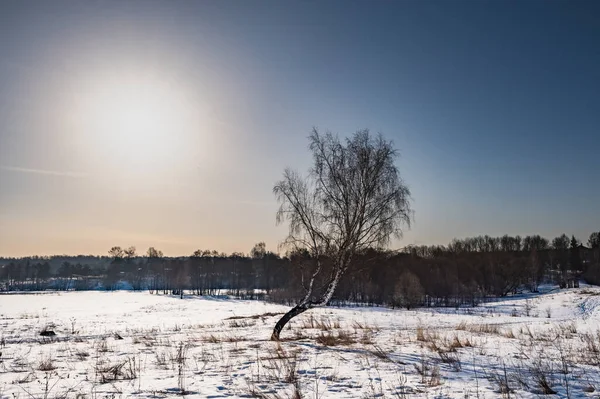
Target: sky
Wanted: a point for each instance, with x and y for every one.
(166, 124)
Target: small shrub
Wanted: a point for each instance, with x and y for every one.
(46, 364)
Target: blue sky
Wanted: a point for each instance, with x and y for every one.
(495, 106)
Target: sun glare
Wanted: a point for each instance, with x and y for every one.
(136, 124)
(140, 120)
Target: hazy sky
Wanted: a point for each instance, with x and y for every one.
(166, 124)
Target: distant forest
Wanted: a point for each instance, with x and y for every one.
(462, 273)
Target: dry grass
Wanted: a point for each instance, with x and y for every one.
(102, 346)
(161, 359)
(430, 374)
(323, 323)
(299, 335)
(542, 376)
(82, 355)
(283, 366)
(568, 329)
(242, 323)
(29, 377)
(421, 334)
(455, 343)
(525, 330)
(462, 326)
(447, 353)
(427, 335)
(212, 339)
(148, 341)
(331, 339)
(125, 370)
(233, 338)
(380, 353)
(502, 383)
(482, 328)
(215, 339)
(591, 343)
(357, 325)
(508, 334)
(46, 364)
(366, 337)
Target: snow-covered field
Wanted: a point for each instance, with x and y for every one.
(126, 344)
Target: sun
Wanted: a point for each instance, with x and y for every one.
(141, 121)
(135, 124)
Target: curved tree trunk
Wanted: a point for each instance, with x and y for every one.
(307, 304)
(295, 311)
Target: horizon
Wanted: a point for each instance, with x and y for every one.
(142, 253)
(166, 125)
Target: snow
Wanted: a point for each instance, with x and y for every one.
(134, 344)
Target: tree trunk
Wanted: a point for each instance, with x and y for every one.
(295, 311)
(307, 303)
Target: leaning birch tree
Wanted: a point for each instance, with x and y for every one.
(353, 198)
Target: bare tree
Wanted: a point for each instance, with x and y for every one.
(408, 291)
(116, 253)
(129, 252)
(153, 253)
(352, 199)
(594, 240)
(258, 251)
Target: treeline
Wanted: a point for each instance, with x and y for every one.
(465, 272)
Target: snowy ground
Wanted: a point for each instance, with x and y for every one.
(125, 344)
